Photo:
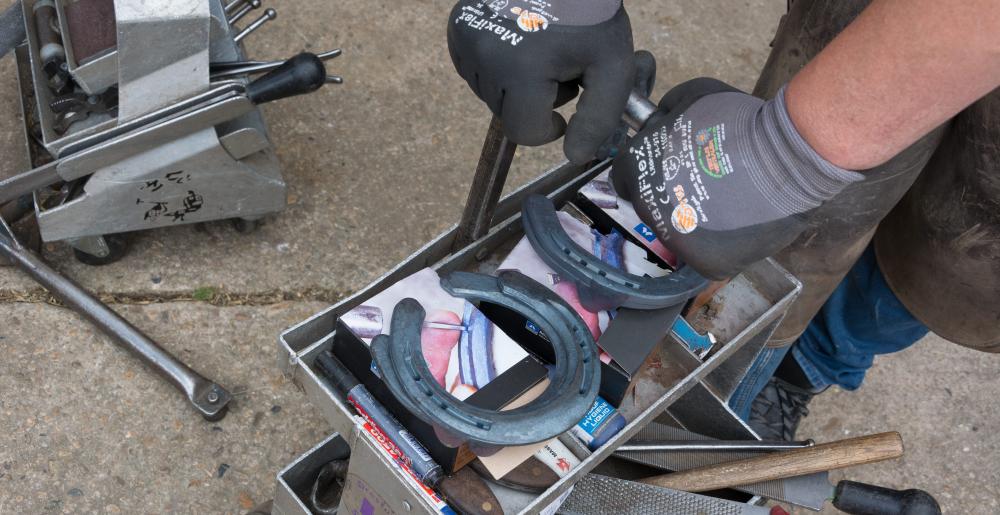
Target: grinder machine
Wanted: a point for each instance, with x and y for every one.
(142, 114)
(137, 115)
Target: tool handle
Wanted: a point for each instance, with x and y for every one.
(299, 75)
(865, 499)
(638, 110)
(828, 456)
(468, 493)
(340, 377)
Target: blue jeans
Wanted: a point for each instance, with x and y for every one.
(861, 319)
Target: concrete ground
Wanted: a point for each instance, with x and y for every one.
(375, 168)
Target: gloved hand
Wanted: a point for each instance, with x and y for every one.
(525, 57)
(724, 178)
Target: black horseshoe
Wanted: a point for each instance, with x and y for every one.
(574, 380)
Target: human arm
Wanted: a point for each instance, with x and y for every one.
(902, 68)
(742, 218)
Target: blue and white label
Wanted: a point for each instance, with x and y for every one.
(598, 414)
(601, 424)
(646, 233)
(683, 331)
(531, 326)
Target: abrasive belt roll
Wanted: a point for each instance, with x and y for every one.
(11, 28)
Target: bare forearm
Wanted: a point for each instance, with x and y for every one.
(901, 69)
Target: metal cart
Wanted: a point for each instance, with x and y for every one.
(694, 395)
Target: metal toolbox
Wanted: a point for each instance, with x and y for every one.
(744, 314)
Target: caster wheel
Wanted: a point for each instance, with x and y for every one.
(262, 509)
(244, 226)
(118, 246)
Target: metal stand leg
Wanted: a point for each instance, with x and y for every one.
(210, 399)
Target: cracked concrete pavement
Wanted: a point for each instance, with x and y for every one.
(375, 168)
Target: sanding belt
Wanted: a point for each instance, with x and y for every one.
(11, 29)
(100, 36)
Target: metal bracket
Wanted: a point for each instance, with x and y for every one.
(487, 185)
(96, 246)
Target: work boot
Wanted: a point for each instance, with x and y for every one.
(776, 412)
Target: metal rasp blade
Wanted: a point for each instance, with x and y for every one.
(656, 432)
(598, 495)
(809, 491)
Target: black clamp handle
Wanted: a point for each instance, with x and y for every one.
(299, 75)
(865, 499)
(601, 285)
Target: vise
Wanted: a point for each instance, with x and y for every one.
(144, 114)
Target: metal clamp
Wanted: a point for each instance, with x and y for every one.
(601, 285)
(574, 380)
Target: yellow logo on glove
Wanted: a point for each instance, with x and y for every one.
(530, 21)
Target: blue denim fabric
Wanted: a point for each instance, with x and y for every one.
(758, 375)
(861, 319)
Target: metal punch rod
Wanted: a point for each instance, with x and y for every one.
(715, 445)
(209, 398)
(232, 6)
(487, 185)
(324, 56)
(251, 5)
(268, 15)
(232, 69)
(494, 166)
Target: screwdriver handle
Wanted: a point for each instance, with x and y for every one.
(299, 75)
(865, 499)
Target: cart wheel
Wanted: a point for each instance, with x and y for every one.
(118, 246)
(245, 226)
(262, 509)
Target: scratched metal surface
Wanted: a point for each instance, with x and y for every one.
(596, 494)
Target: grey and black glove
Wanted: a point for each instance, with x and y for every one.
(525, 57)
(724, 178)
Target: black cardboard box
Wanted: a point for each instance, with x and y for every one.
(515, 371)
(626, 337)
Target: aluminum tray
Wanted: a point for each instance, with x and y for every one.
(746, 312)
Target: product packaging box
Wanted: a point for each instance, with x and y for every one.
(625, 337)
(469, 356)
(599, 200)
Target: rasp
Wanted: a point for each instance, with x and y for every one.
(598, 495)
(809, 491)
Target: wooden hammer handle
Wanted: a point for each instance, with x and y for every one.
(809, 460)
